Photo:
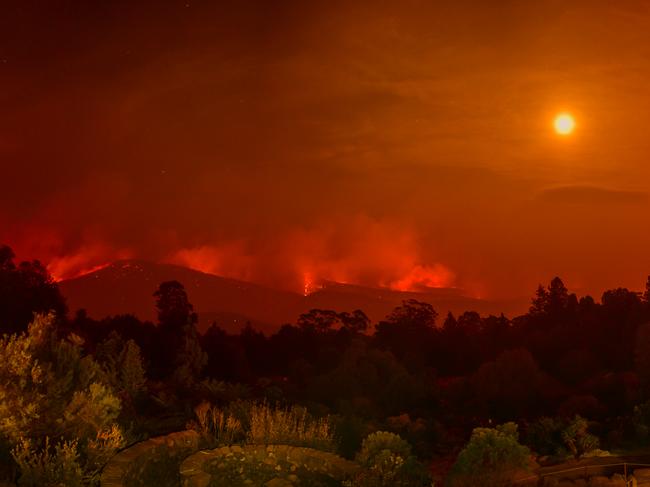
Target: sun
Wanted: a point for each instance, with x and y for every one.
(564, 124)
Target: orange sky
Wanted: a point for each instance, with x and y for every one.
(371, 142)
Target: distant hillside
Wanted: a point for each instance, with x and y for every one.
(128, 286)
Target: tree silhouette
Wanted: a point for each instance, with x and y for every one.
(409, 332)
(324, 320)
(174, 308)
(180, 349)
(25, 289)
(552, 301)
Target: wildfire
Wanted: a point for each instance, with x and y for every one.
(58, 277)
(84, 261)
(308, 284)
(424, 276)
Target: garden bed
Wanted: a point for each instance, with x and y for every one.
(273, 465)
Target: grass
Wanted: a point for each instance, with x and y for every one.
(289, 426)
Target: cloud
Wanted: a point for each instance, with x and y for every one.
(582, 194)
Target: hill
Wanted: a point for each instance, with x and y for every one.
(127, 287)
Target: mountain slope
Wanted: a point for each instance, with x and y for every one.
(128, 287)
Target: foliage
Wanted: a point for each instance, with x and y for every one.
(51, 465)
(642, 357)
(122, 363)
(324, 320)
(387, 461)
(220, 392)
(99, 450)
(245, 467)
(544, 436)
(90, 411)
(132, 371)
(49, 388)
(174, 308)
(178, 336)
(289, 426)
(350, 431)
(490, 457)
(365, 375)
(577, 439)
(641, 420)
(557, 436)
(25, 289)
(509, 385)
(219, 427)
(190, 357)
(379, 442)
(553, 300)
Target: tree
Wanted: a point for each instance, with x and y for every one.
(49, 388)
(646, 292)
(544, 436)
(123, 364)
(324, 320)
(388, 462)
(355, 322)
(510, 385)
(642, 357)
(552, 301)
(318, 320)
(174, 308)
(490, 458)
(577, 439)
(180, 354)
(413, 314)
(409, 333)
(25, 289)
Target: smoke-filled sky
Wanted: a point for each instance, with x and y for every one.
(400, 143)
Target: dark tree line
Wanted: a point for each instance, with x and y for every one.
(566, 356)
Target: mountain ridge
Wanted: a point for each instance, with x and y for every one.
(127, 287)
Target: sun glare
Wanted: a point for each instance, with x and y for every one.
(564, 124)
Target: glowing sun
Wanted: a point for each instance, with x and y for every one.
(564, 124)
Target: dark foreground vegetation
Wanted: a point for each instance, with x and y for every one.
(415, 398)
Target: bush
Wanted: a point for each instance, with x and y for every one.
(50, 388)
(378, 443)
(387, 461)
(292, 426)
(555, 436)
(217, 426)
(50, 466)
(252, 466)
(349, 434)
(544, 436)
(641, 421)
(577, 439)
(219, 392)
(490, 458)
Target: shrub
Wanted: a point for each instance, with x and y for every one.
(220, 392)
(641, 421)
(98, 451)
(489, 458)
(577, 439)
(50, 466)
(267, 466)
(544, 436)
(378, 443)
(49, 388)
(217, 426)
(387, 461)
(349, 434)
(291, 426)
